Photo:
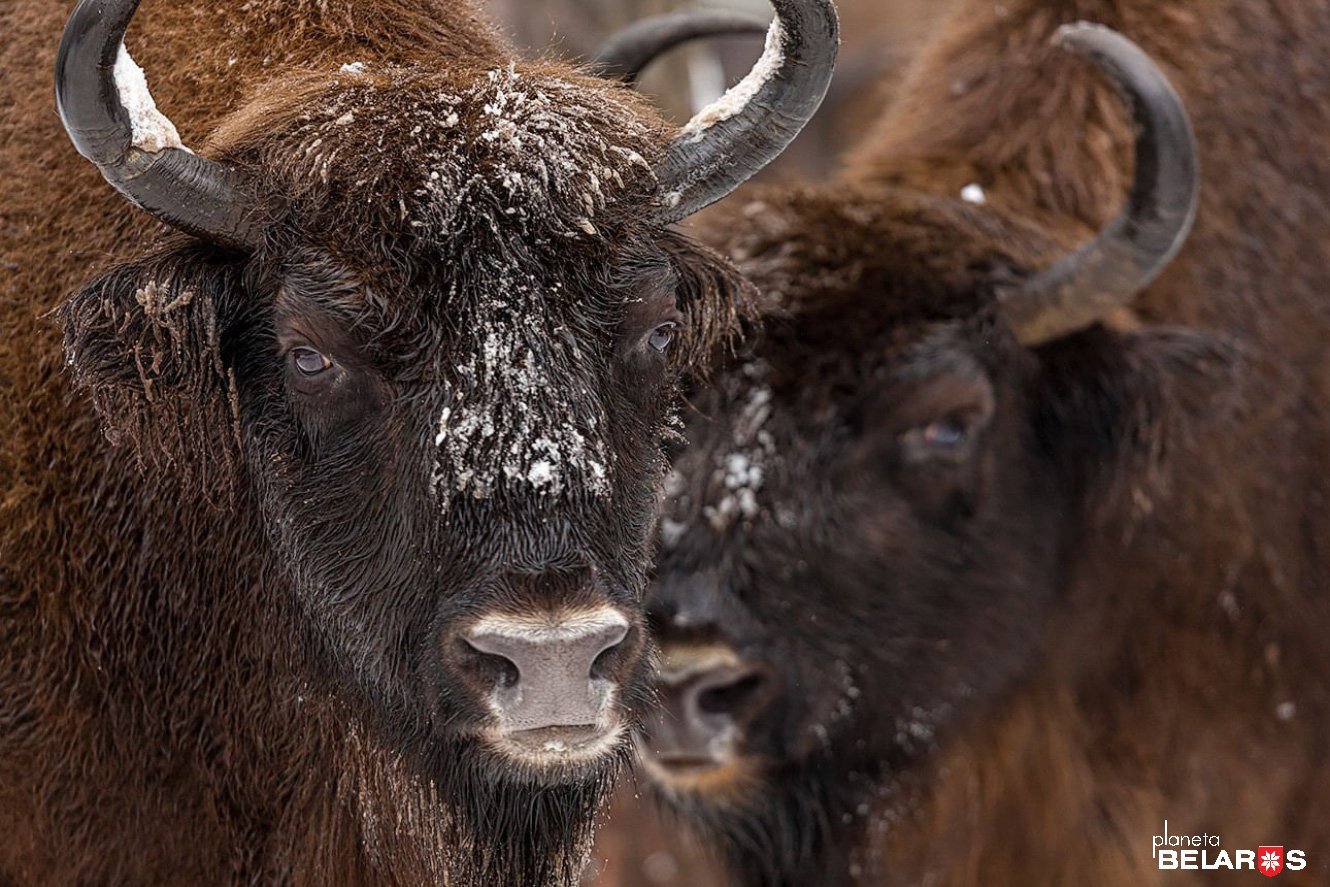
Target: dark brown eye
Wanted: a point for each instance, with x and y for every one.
(661, 337)
(309, 362)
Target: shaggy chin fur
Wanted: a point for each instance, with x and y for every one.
(228, 634)
(1006, 647)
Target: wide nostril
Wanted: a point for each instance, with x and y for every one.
(610, 656)
(572, 652)
(709, 699)
(544, 673)
(729, 698)
(496, 668)
(729, 692)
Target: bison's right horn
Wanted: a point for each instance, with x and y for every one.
(1131, 251)
(625, 54)
(110, 116)
(727, 142)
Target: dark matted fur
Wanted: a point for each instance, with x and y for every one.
(222, 633)
(1007, 660)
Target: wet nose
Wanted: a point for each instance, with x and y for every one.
(549, 675)
(703, 711)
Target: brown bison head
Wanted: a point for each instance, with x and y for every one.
(866, 530)
(426, 333)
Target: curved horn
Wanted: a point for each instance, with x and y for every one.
(727, 142)
(626, 53)
(112, 120)
(1132, 250)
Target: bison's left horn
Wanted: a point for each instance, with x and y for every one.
(727, 142)
(1135, 247)
(625, 54)
(110, 116)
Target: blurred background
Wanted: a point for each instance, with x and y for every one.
(636, 848)
(878, 39)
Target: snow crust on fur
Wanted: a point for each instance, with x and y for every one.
(522, 163)
(974, 193)
(738, 472)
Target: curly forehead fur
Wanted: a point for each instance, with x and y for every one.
(430, 160)
(931, 258)
(512, 181)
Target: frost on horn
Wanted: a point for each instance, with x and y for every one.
(152, 130)
(737, 97)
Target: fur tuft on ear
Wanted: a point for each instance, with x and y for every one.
(1117, 406)
(144, 340)
(718, 303)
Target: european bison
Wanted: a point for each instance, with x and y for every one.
(357, 598)
(996, 554)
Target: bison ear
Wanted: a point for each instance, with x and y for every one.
(1114, 406)
(144, 342)
(718, 304)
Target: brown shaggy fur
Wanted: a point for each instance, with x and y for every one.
(1191, 615)
(1181, 669)
(161, 718)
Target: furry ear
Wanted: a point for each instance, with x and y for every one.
(1116, 405)
(144, 341)
(718, 303)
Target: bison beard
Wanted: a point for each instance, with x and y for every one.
(404, 371)
(1013, 590)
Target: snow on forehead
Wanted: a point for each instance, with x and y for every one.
(498, 169)
(522, 410)
(724, 481)
(516, 154)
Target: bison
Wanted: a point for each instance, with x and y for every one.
(998, 551)
(323, 539)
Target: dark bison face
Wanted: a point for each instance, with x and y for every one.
(463, 489)
(440, 387)
(867, 531)
(847, 568)
(860, 539)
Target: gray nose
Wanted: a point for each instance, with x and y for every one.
(552, 679)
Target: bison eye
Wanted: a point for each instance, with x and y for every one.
(948, 439)
(309, 362)
(661, 337)
(946, 434)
